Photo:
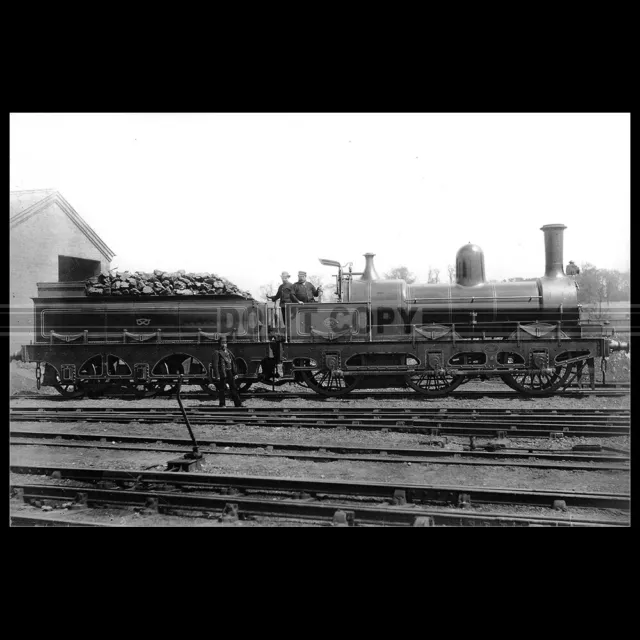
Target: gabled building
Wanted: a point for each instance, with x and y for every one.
(48, 242)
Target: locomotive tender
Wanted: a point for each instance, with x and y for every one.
(380, 333)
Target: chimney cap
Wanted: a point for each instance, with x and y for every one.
(553, 226)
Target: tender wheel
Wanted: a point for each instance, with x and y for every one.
(210, 388)
(145, 391)
(326, 383)
(164, 389)
(96, 390)
(430, 383)
(212, 391)
(138, 391)
(70, 390)
(539, 383)
(172, 365)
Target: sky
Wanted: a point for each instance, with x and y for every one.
(248, 195)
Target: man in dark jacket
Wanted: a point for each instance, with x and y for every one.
(283, 294)
(223, 372)
(304, 291)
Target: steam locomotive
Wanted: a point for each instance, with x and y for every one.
(379, 333)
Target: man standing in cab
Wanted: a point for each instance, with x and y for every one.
(283, 294)
(304, 291)
(223, 372)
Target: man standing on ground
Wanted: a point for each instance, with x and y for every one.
(223, 372)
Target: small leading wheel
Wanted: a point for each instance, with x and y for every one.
(432, 383)
(69, 390)
(330, 383)
(538, 383)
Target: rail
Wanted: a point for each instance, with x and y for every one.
(480, 455)
(242, 507)
(410, 492)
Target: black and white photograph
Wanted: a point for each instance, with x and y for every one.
(320, 319)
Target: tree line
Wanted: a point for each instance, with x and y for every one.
(603, 285)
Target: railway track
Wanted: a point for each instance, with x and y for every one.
(558, 423)
(596, 458)
(264, 393)
(366, 502)
(327, 513)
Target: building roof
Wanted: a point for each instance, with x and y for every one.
(21, 200)
(26, 204)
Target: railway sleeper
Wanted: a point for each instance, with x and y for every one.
(81, 501)
(151, 506)
(424, 521)
(230, 512)
(342, 518)
(464, 500)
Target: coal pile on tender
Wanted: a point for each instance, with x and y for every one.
(161, 283)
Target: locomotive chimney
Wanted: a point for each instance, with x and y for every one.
(553, 250)
(369, 272)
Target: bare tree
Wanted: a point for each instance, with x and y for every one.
(400, 273)
(434, 275)
(316, 281)
(267, 290)
(328, 291)
(451, 270)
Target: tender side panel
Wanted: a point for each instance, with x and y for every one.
(108, 319)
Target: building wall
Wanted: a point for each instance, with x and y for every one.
(34, 247)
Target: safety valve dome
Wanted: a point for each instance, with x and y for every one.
(470, 265)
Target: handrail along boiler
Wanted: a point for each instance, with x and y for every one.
(379, 333)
